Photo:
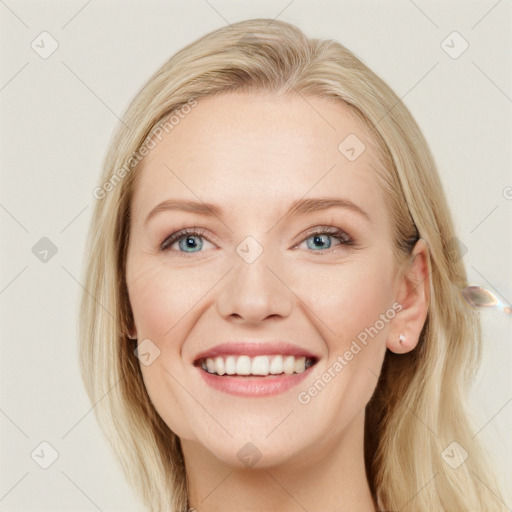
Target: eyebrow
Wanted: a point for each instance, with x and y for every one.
(298, 207)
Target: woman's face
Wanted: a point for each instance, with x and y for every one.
(257, 275)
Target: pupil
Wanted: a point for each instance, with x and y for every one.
(189, 242)
(319, 240)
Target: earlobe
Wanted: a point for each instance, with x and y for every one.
(130, 333)
(400, 345)
(413, 293)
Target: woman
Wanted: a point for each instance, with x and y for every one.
(273, 306)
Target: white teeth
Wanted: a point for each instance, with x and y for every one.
(230, 365)
(219, 366)
(243, 365)
(289, 365)
(210, 365)
(258, 365)
(276, 366)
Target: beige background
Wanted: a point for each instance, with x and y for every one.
(57, 115)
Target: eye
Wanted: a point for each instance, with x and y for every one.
(320, 240)
(189, 240)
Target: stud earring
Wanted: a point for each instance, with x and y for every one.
(131, 337)
(402, 339)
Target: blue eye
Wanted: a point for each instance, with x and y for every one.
(318, 240)
(321, 240)
(191, 240)
(188, 241)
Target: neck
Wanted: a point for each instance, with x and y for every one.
(329, 475)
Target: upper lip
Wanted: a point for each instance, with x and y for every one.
(254, 348)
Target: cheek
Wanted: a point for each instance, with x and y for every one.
(351, 305)
(355, 308)
(349, 300)
(161, 298)
(347, 303)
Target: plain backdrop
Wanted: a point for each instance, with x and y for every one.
(57, 117)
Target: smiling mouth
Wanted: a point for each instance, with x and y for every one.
(258, 366)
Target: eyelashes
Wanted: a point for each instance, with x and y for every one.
(319, 235)
(178, 235)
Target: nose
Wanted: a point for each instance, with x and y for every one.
(254, 292)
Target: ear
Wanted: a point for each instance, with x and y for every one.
(412, 290)
(130, 333)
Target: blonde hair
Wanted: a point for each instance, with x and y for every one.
(417, 409)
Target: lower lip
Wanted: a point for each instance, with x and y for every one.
(253, 386)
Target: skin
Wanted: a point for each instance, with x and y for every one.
(253, 155)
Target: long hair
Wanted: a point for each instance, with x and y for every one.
(417, 410)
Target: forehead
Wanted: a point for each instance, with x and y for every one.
(240, 148)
